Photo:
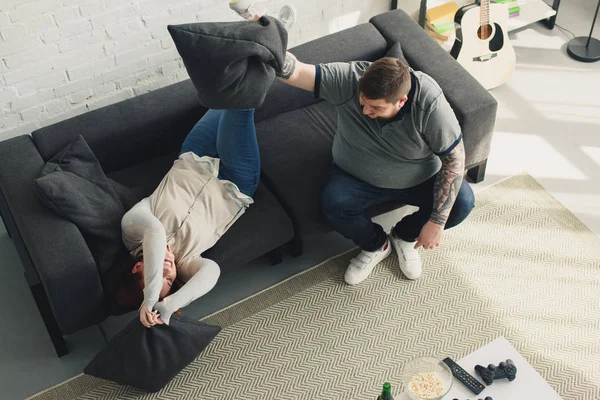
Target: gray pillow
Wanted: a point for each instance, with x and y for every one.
(74, 186)
(232, 64)
(77, 157)
(396, 52)
(149, 358)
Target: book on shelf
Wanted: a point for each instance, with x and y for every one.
(440, 28)
(437, 36)
(513, 7)
(439, 21)
(441, 13)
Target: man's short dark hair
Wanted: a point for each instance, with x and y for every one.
(387, 78)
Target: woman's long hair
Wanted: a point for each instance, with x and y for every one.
(131, 286)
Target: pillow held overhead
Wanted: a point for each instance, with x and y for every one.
(231, 64)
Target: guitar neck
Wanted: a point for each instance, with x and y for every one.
(484, 12)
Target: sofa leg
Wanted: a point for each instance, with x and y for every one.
(5, 226)
(295, 247)
(477, 173)
(275, 256)
(39, 295)
(103, 333)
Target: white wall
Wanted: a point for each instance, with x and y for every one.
(60, 58)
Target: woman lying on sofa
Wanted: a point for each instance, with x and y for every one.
(193, 206)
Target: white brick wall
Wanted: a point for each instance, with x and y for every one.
(61, 58)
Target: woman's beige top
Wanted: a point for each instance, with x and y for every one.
(189, 210)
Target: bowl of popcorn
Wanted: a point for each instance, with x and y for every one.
(427, 378)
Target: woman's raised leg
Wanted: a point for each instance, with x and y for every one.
(237, 148)
(202, 139)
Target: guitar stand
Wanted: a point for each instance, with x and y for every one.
(585, 49)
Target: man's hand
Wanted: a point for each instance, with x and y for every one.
(149, 318)
(430, 236)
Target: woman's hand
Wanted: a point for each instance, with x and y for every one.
(149, 318)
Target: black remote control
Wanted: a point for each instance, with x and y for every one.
(463, 376)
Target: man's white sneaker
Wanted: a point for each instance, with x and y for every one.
(287, 16)
(361, 266)
(248, 9)
(408, 257)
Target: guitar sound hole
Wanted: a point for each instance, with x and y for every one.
(484, 32)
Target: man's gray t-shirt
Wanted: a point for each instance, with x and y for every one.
(395, 154)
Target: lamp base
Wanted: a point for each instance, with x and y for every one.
(578, 50)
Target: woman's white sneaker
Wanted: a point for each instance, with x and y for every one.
(252, 10)
(248, 9)
(287, 16)
(408, 257)
(362, 265)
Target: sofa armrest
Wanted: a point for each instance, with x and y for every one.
(53, 251)
(474, 107)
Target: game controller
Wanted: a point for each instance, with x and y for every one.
(504, 370)
(487, 398)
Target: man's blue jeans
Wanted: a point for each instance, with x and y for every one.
(345, 200)
(229, 135)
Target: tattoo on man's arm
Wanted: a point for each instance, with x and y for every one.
(289, 66)
(447, 184)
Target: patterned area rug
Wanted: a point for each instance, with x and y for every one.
(522, 266)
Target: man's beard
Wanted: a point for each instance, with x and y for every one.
(390, 117)
(386, 118)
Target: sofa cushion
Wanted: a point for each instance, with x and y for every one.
(74, 186)
(362, 42)
(148, 358)
(295, 150)
(396, 52)
(232, 64)
(265, 222)
(145, 176)
(96, 215)
(131, 131)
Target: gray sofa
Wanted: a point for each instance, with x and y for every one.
(137, 140)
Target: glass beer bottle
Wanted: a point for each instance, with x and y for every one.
(386, 393)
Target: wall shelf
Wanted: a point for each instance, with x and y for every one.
(531, 11)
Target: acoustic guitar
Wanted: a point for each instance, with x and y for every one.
(482, 46)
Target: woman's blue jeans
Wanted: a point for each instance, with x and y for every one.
(229, 135)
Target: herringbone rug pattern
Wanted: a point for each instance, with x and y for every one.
(522, 266)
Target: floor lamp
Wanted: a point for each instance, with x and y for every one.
(586, 49)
